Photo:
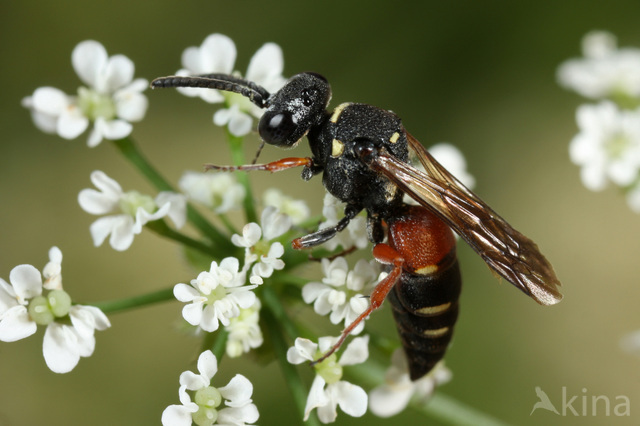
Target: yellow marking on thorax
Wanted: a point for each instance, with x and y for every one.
(394, 138)
(337, 148)
(433, 310)
(338, 111)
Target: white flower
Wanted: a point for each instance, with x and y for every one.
(52, 271)
(453, 160)
(258, 245)
(217, 54)
(244, 331)
(342, 293)
(633, 198)
(297, 210)
(205, 409)
(328, 391)
(134, 209)
(219, 191)
(112, 100)
(216, 296)
(23, 307)
(398, 390)
(605, 71)
(355, 234)
(608, 145)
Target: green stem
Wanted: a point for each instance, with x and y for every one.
(161, 228)
(290, 373)
(272, 302)
(217, 342)
(112, 306)
(237, 158)
(285, 278)
(227, 224)
(128, 148)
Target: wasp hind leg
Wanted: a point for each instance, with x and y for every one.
(384, 254)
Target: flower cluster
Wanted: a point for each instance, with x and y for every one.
(217, 54)
(206, 407)
(342, 293)
(242, 265)
(69, 328)
(328, 390)
(607, 146)
(111, 101)
(398, 390)
(133, 210)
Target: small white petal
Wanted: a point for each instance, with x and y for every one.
(8, 297)
(207, 364)
(16, 324)
(352, 399)
(177, 209)
(89, 58)
(238, 391)
(245, 299)
(356, 352)
(192, 313)
(60, 348)
(238, 415)
(318, 398)
(143, 217)
(46, 123)
(266, 66)
(387, 401)
(26, 281)
(131, 106)
(114, 129)
(185, 293)
(251, 234)
(177, 415)
(86, 319)
(217, 54)
(49, 100)
(193, 381)
(240, 124)
(118, 72)
(303, 350)
(96, 202)
(96, 136)
(274, 223)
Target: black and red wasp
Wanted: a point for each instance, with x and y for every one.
(363, 154)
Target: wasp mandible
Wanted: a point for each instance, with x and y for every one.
(363, 154)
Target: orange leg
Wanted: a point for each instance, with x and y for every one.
(275, 166)
(386, 255)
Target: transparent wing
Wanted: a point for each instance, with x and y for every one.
(512, 255)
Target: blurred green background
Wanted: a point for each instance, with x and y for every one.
(479, 74)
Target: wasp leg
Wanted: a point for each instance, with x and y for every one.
(341, 253)
(275, 166)
(325, 234)
(384, 254)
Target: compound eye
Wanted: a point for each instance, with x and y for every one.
(276, 128)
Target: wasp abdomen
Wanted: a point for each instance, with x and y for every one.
(425, 309)
(425, 297)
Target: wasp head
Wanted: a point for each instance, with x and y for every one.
(294, 109)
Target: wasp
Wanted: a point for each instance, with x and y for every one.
(363, 154)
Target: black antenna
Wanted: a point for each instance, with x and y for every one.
(228, 83)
